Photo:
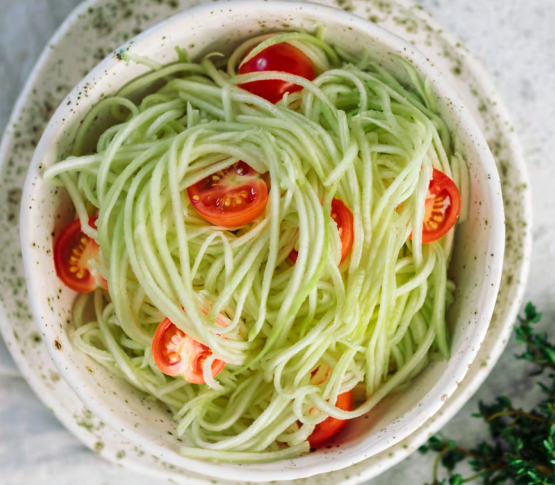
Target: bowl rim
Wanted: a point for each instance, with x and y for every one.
(497, 241)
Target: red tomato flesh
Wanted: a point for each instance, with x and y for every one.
(230, 198)
(343, 217)
(177, 354)
(331, 426)
(72, 252)
(277, 57)
(443, 207)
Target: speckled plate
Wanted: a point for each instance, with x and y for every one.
(90, 33)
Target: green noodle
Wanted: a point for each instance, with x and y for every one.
(355, 133)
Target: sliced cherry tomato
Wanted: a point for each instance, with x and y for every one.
(231, 197)
(331, 426)
(72, 252)
(343, 217)
(443, 207)
(177, 354)
(277, 57)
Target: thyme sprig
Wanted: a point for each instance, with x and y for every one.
(521, 448)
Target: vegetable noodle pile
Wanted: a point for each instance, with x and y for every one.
(288, 334)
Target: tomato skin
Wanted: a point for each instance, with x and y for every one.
(343, 217)
(230, 198)
(175, 353)
(331, 426)
(277, 57)
(72, 251)
(443, 207)
(345, 225)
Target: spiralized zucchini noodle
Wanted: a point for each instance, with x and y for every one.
(355, 133)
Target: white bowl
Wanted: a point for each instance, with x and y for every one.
(476, 265)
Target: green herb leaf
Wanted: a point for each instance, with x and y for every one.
(521, 448)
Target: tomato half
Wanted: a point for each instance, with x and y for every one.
(277, 57)
(343, 217)
(231, 197)
(177, 354)
(72, 252)
(331, 426)
(443, 207)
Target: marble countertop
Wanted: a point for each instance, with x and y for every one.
(514, 39)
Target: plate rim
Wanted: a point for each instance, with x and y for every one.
(458, 399)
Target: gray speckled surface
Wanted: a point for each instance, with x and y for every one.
(515, 41)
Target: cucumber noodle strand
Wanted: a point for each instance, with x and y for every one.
(355, 133)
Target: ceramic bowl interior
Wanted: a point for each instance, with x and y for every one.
(475, 267)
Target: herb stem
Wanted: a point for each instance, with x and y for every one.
(518, 413)
(483, 472)
(437, 462)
